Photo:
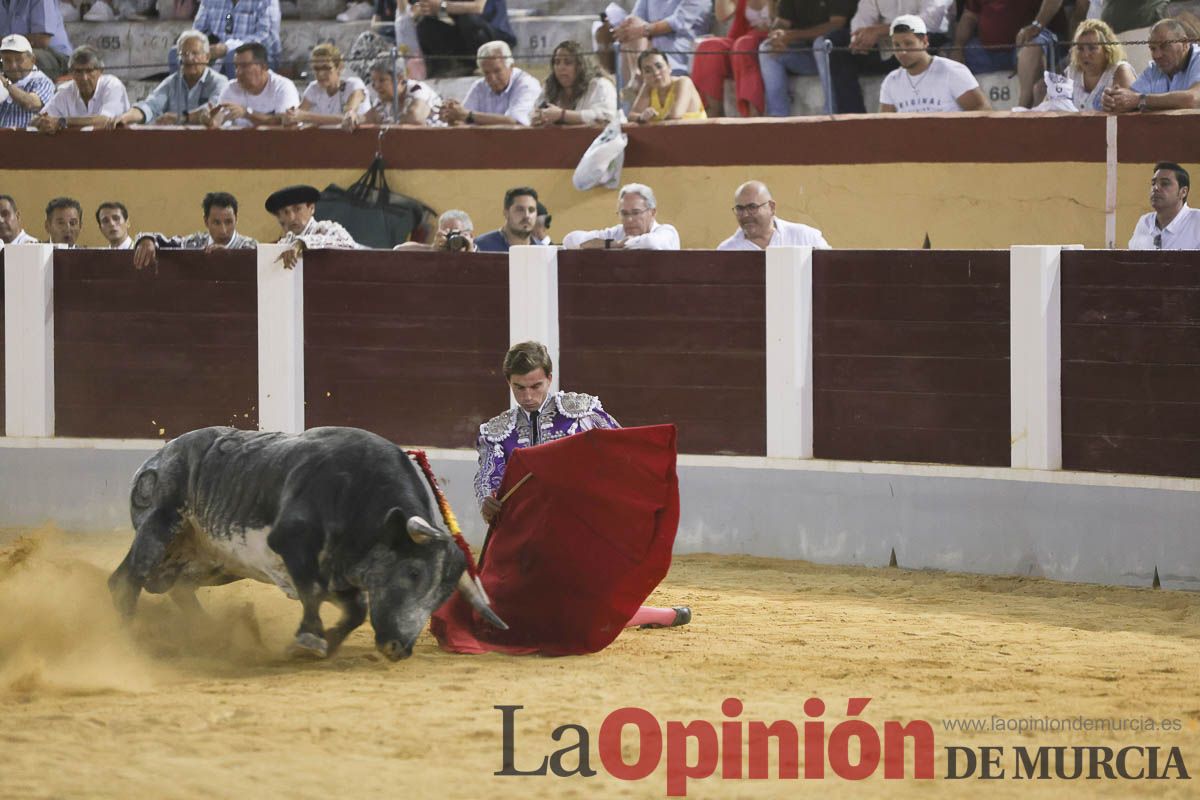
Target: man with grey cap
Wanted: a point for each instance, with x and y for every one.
(759, 228)
(293, 207)
(186, 97)
(24, 88)
(91, 99)
(41, 23)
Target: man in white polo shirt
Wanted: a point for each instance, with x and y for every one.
(90, 99)
(925, 83)
(258, 96)
(759, 228)
(1172, 225)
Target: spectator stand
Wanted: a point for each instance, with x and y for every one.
(136, 51)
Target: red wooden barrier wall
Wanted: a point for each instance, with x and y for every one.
(670, 337)
(1131, 362)
(409, 345)
(911, 356)
(154, 353)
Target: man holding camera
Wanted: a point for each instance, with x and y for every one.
(455, 234)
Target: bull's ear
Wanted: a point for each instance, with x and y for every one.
(417, 528)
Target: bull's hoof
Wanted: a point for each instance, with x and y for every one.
(308, 645)
(395, 651)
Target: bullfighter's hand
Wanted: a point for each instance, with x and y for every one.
(291, 256)
(145, 254)
(490, 508)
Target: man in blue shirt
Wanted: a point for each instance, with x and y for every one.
(41, 23)
(232, 23)
(520, 213)
(670, 25)
(505, 95)
(186, 97)
(449, 46)
(1172, 81)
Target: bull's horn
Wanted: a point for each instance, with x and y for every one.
(479, 601)
(422, 532)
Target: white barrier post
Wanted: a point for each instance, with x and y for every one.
(533, 299)
(789, 352)
(29, 340)
(280, 342)
(1035, 357)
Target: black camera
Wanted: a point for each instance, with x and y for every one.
(456, 241)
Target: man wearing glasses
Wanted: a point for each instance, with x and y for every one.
(231, 23)
(1172, 225)
(259, 96)
(91, 99)
(639, 228)
(185, 97)
(759, 228)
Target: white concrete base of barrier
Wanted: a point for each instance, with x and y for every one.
(1095, 528)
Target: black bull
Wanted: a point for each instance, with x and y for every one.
(335, 514)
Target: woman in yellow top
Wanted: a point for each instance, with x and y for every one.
(664, 96)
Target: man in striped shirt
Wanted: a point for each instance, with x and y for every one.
(229, 24)
(26, 88)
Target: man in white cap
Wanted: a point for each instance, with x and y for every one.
(293, 207)
(24, 89)
(759, 228)
(91, 99)
(925, 83)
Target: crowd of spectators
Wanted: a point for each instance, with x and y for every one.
(667, 64)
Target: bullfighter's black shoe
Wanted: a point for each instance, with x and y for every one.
(683, 615)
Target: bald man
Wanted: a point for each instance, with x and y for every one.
(759, 228)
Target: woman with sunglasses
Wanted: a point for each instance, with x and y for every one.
(330, 99)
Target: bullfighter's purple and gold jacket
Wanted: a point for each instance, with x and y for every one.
(562, 414)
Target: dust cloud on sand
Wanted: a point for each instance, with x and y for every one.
(62, 635)
(168, 707)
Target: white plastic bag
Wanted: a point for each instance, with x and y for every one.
(1059, 95)
(602, 161)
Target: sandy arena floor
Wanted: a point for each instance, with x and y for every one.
(90, 709)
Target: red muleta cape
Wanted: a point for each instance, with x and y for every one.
(577, 548)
